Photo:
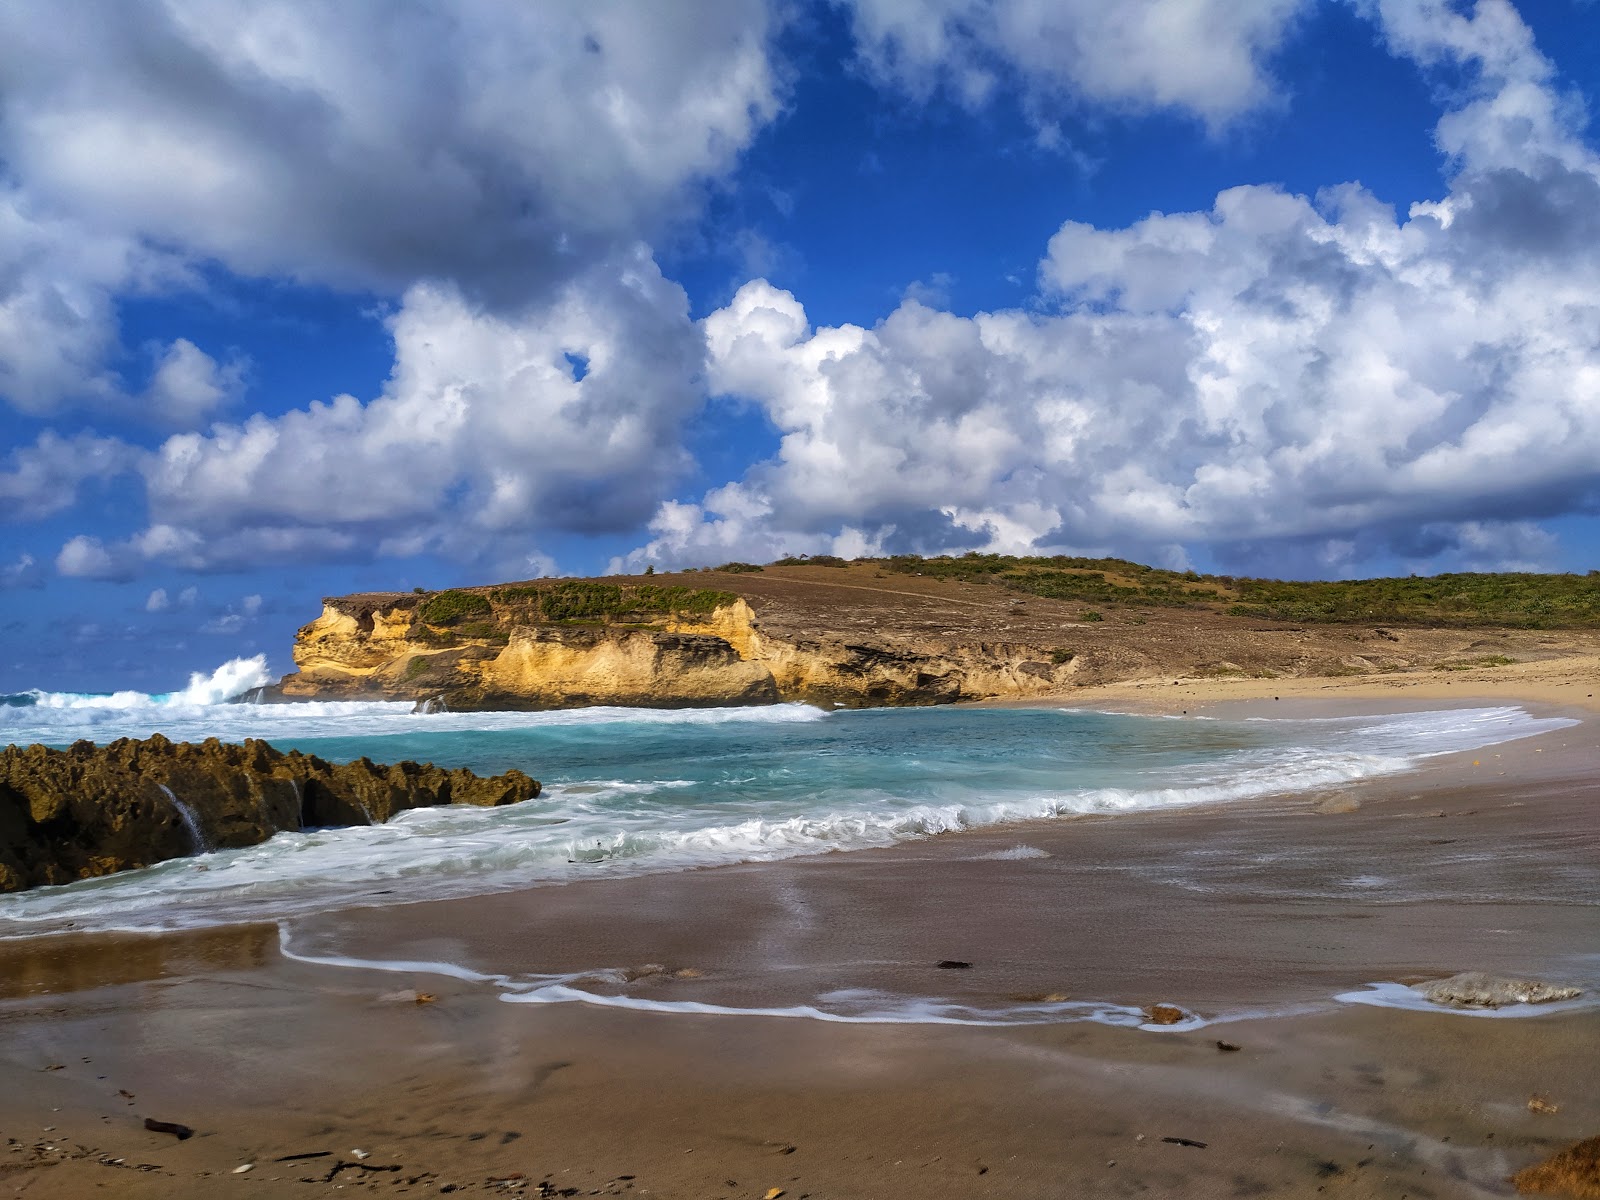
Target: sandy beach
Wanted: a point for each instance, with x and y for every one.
(1251, 917)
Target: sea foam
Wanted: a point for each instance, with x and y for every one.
(632, 792)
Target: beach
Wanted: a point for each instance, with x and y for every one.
(382, 1049)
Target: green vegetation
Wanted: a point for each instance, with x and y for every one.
(574, 601)
(447, 608)
(1469, 664)
(485, 631)
(1512, 599)
(812, 560)
(416, 665)
(1515, 599)
(1062, 656)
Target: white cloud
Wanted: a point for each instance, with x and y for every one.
(503, 148)
(356, 143)
(733, 524)
(1313, 370)
(1209, 58)
(85, 557)
(189, 385)
(235, 617)
(490, 429)
(157, 601)
(24, 573)
(44, 478)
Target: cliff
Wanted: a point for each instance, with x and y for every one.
(92, 810)
(833, 633)
(573, 643)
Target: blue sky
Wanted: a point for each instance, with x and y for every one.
(300, 299)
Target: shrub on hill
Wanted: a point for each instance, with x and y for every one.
(449, 607)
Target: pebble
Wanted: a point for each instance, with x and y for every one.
(243, 1167)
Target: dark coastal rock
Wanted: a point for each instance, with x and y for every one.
(93, 810)
(1474, 989)
(1575, 1172)
(1164, 1014)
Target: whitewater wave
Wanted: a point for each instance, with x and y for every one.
(731, 786)
(577, 830)
(233, 679)
(210, 707)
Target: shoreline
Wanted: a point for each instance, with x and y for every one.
(1571, 682)
(268, 1057)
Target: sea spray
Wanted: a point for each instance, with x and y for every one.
(190, 819)
(671, 791)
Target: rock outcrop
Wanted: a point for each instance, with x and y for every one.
(92, 810)
(1475, 989)
(865, 633)
(638, 646)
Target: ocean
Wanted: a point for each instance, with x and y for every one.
(630, 792)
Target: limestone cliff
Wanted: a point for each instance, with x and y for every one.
(91, 810)
(869, 632)
(574, 643)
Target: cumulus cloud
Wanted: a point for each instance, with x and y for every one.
(1312, 371)
(495, 145)
(502, 149)
(85, 557)
(1209, 58)
(189, 385)
(44, 478)
(491, 428)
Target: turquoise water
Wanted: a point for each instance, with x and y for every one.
(633, 791)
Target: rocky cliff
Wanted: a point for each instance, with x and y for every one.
(571, 643)
(848, 634)
(91, 810)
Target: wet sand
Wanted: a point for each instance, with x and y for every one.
(1251, 916)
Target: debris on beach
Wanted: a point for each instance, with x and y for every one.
(1164, 1014)
(1475, 989)
(1180, 1141)
(1339, 804)
(952, 964)
(1543, 1106)
(181, 1132)
(1226, 1046)
(1574, 1172)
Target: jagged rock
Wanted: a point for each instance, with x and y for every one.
(1575, 1172)
(508, 656)
(92, 810)
(1474, 989)
(1164, 1014)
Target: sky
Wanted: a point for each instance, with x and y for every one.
(300, 299)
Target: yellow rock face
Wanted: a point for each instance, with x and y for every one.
(632, 667)
(337, 642)
(720, 658)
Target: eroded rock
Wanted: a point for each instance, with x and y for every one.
(93, 810)
(1475, 989)
(1574, 1172)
